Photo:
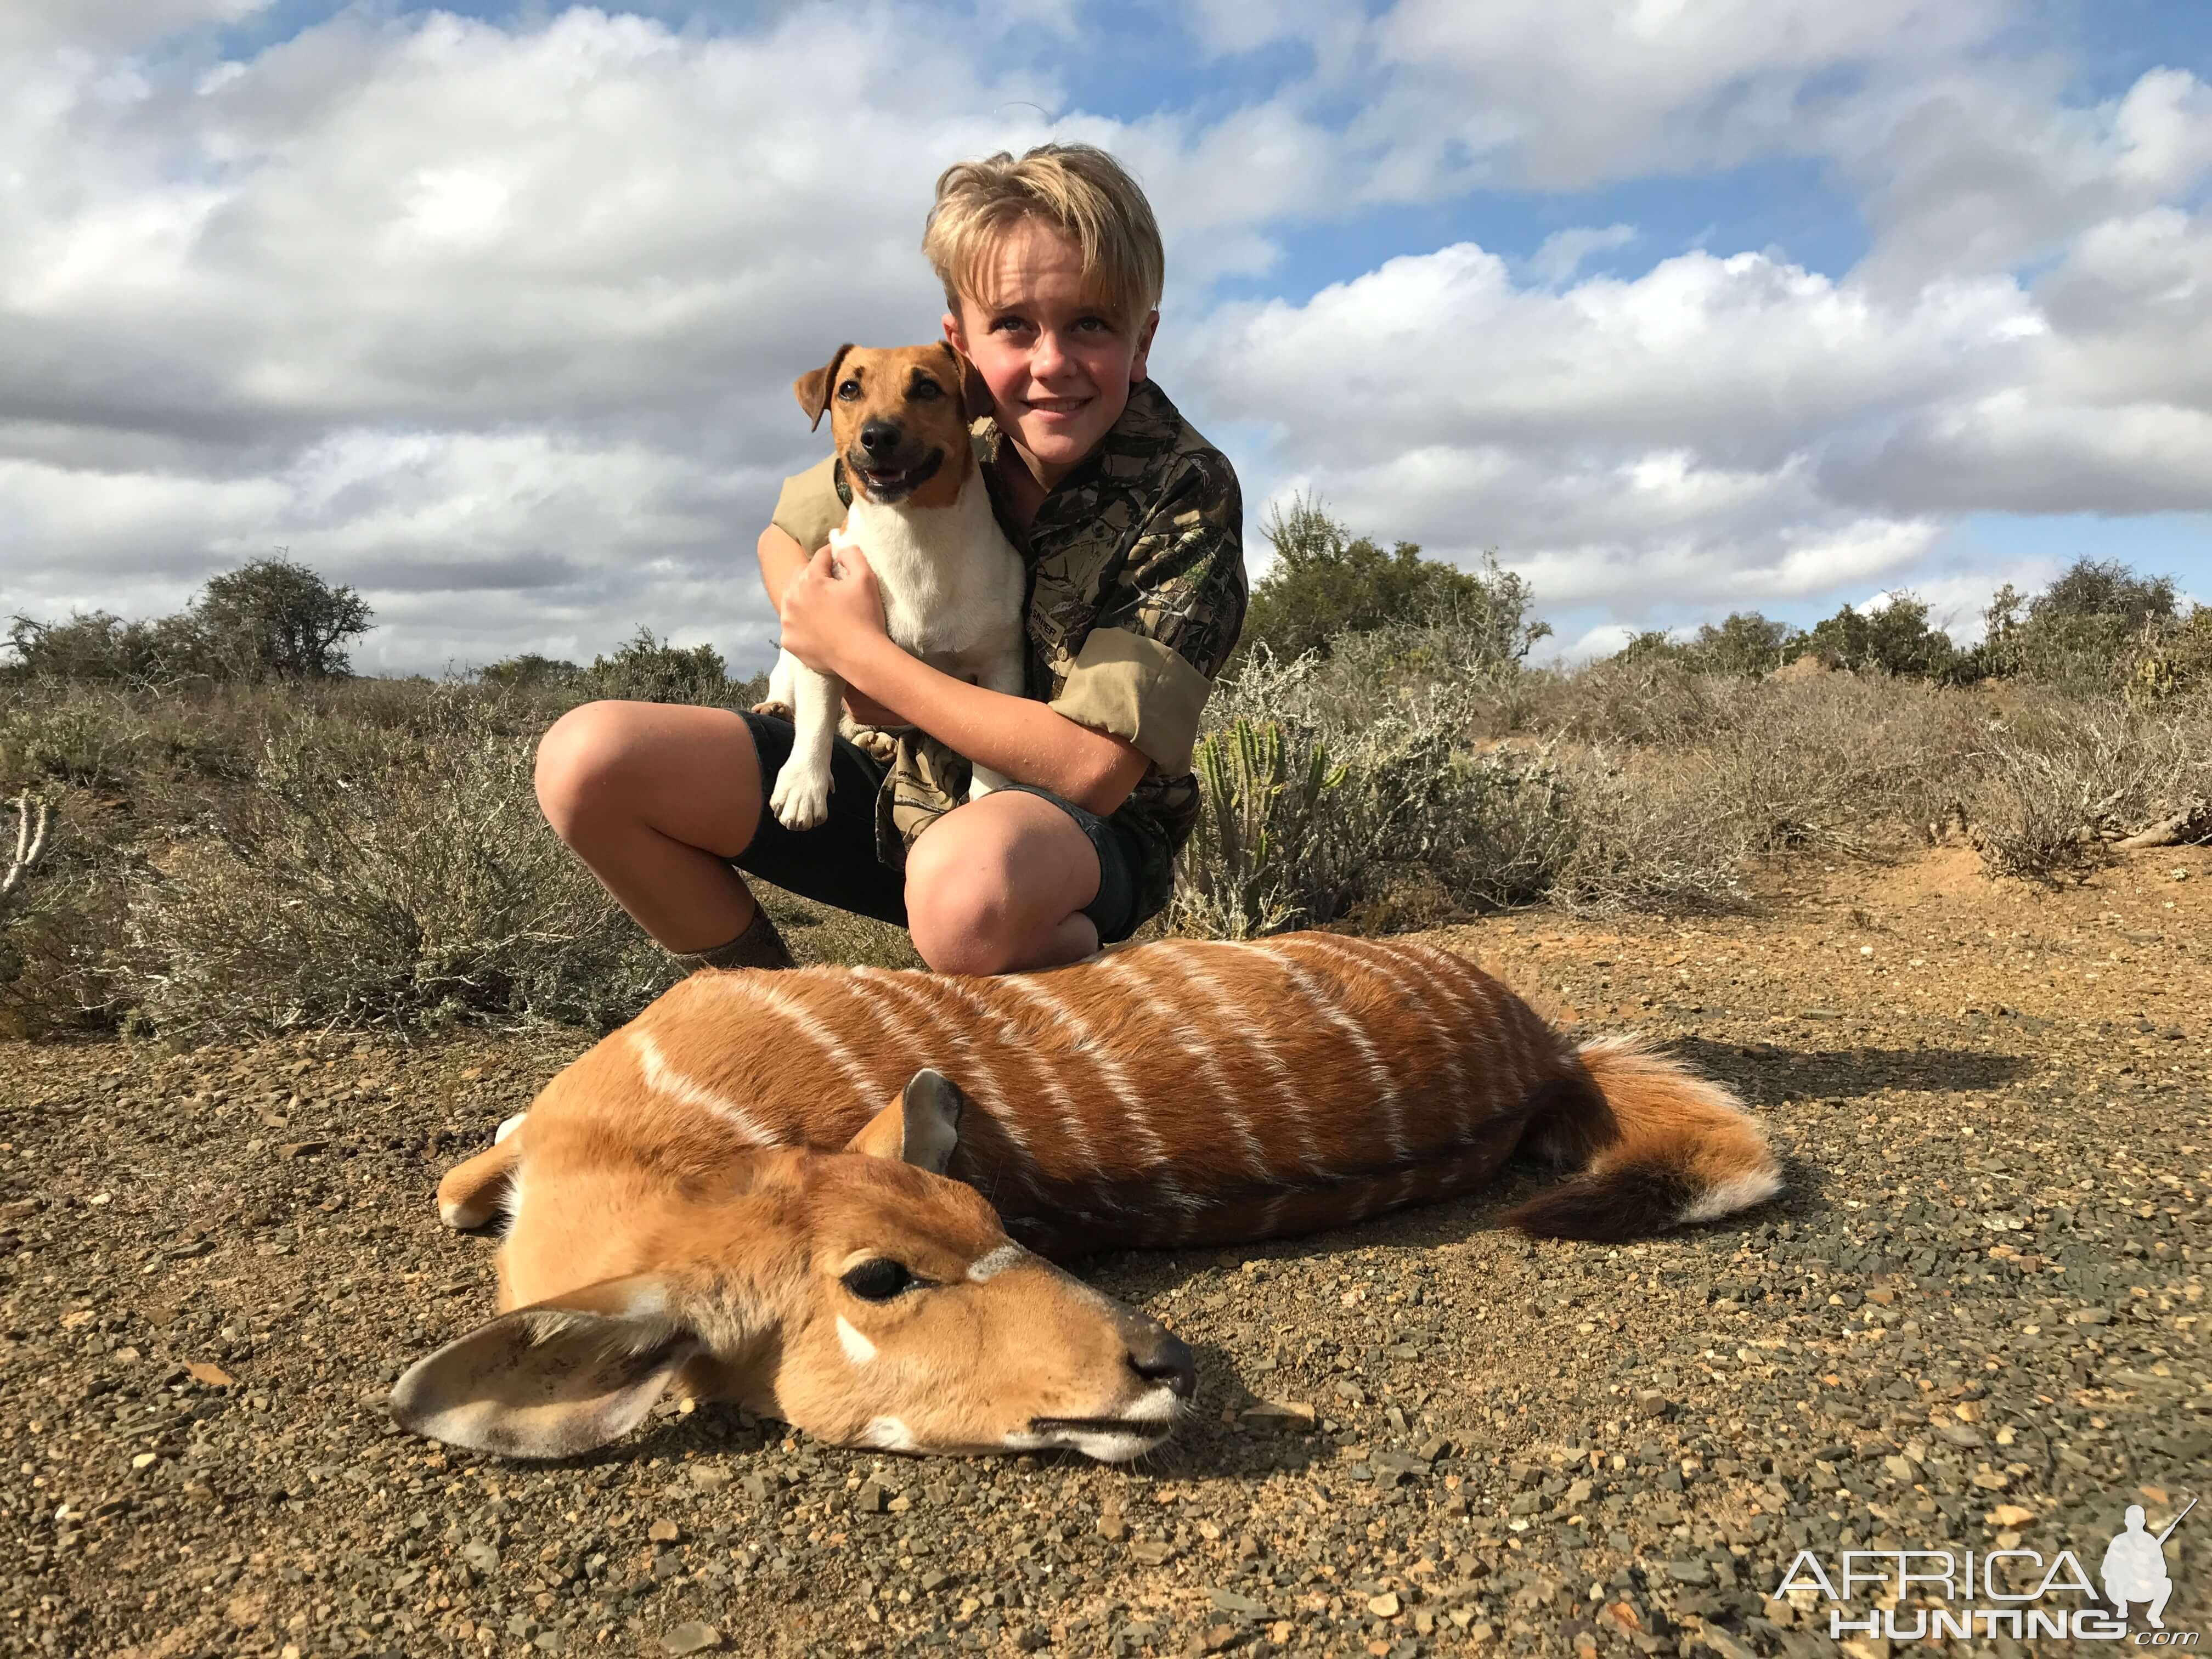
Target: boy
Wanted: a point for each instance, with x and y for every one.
(1130, 524)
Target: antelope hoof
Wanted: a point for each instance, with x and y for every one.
(774, 710)
(799, 803)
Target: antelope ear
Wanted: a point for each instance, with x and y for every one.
(922, 1126)
(813, 389)
(553, 1380)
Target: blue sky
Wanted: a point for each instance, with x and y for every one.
(492, 311)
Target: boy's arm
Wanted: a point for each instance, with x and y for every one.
(837, 624)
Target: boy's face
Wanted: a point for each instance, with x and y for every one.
(1059, 367)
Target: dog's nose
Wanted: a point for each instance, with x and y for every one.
(1157, 1355)
(879, 437)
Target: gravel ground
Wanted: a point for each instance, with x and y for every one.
(1976, 1321)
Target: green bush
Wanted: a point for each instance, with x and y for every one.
(1326, 585)
(270, 619)
(645, 669)
(1897, 639)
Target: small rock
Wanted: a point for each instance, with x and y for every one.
(300, 1148)
(870, 1499)
(481, 1556)
(1690, 1572)
(213, 1375)
(691, 1637)
(1384, 1605)
(710, 1477)
(1228, 1600)
(664, 1532)
(1112, 1529)
(1152, 1551)
(1291, 1414)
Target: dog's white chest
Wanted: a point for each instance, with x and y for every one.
(952, 584)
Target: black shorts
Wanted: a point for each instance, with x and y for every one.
(836, 863)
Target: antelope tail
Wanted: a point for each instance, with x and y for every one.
(1654, 1146)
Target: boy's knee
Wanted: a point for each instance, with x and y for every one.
(958, 914)
(576, 759)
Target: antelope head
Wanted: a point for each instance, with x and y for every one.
(860, 1295)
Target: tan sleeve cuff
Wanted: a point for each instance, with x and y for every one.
(808, 509)
(1137, 689)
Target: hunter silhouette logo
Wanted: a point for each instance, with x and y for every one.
(2135, 1567)
(2018, 1593)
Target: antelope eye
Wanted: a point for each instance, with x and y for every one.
(879, 1280)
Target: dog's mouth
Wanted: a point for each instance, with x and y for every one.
(895, 484)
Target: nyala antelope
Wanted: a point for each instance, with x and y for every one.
(675, 1205)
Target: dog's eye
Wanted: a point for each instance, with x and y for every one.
(925, 390)
(879, 1280)
(848, 389)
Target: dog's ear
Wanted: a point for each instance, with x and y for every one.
(975, 395)
(813, 388)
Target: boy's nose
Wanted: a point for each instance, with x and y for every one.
(879, 437)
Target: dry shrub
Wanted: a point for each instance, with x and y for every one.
(387, 866)
(2057, 780)
(1413, 801)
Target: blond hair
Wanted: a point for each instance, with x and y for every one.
(1078, 189)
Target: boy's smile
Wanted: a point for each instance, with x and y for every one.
(1059, 365)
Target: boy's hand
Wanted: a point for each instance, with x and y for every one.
(826, 615)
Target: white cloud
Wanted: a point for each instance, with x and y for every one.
(1564, 251)
(112, 25)
(497, 321)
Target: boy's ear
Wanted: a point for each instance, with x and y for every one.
(975, 395)
(813, 388)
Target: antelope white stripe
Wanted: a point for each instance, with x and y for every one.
(1287, 1091)
(1480, 1022)
(1255, 1154)
(1323, 1004)
(800, 1016)
(663, 1079)
(857, 1347)
(1125, 1090)
(978, 1077)
(1053, 1085)
(1376, 960)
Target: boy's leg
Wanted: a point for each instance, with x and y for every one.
(1002, 884)
(656, 797)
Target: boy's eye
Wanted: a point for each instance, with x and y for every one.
(848, 389)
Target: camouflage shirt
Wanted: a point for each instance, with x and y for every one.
(1137, 595)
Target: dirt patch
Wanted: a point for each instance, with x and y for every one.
(1976, 1321)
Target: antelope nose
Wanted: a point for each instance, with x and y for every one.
(879, 437)
(1157, 1355)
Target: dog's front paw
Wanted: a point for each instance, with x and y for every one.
(774, 710)
(879, 746)
(799, 802)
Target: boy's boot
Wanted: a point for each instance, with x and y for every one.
(759, 946)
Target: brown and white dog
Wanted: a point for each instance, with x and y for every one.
(952, 584)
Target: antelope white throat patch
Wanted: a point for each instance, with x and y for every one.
(858, 1348)
(988, 1267)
